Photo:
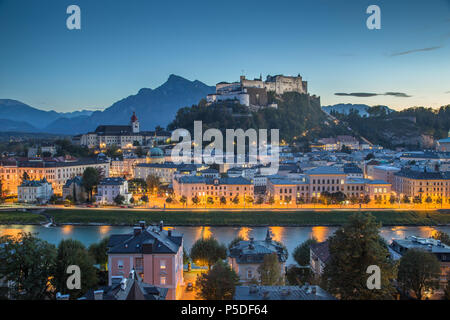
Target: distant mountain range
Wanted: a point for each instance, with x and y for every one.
(153, 107)
(345, 108)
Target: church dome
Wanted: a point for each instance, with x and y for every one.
(155, 153)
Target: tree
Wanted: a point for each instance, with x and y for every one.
(271, 200)
(99, 252)
(169, 200)
(28, 262)
(153, 183)
(369, 156)
(366, 199)
(144, 198)
(223, 200)
(346, 149)
(25, 176)
(249, 199)
(236, 200)
(73, 252)
(219, 283)
(195, 200)
(301, 253)
(186, 258)
(259, 200)
(91, 178)
(443, 237)
(406, 199)
(353, 248)
(210, 200)
(392, 199)
(417, 200)
(428, 200)
(206, 252)
(270, 271)
(235, 241)
(119, 199)
(418, 271)
(447, 288)
(183, 200)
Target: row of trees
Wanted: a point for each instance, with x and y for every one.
(36, 269)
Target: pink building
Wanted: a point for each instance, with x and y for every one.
(154, 253)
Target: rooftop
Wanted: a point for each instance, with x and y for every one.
(305, 292)
(146, 240)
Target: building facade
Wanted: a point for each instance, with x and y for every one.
(154, 253)
(245, 257)
(214, 188)
(109, 188)
(55, 172)
(34, 191)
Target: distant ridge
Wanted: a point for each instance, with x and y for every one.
(153, 107)
(345, 108)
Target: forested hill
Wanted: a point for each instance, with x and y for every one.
(299, 117)
(415, 127)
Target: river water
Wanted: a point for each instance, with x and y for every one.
(290, 236)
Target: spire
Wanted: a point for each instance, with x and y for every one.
(133, 117)
(268, 236)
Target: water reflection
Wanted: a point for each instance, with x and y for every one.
(244, 233)
(320, 233)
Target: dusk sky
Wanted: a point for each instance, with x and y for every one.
(127, 45)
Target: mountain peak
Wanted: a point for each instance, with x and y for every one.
(175, 78)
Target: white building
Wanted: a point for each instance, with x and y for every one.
(109, 188)
(32, 191)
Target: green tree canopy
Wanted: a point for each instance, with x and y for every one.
(28, 262)
(99, 252)
(353, 248)
(91, 178)
(119, 199)
(153, 183)
(73, 252)
(418, 271)
(206, 252)
(270, 271)
(301, 253)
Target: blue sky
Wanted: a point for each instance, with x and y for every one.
(127, 45)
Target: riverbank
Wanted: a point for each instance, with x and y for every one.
(124, 217)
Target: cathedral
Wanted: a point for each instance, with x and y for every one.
(122, 136)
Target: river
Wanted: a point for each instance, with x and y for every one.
(290, 236)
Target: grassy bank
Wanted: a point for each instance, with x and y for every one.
(19, 217)
(224, 218)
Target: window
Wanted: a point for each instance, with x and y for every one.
(162, 264)
(163, 280)
(120, 264)
(249, 274)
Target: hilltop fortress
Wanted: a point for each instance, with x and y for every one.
(253, 93)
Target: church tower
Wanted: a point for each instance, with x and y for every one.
(134, 123)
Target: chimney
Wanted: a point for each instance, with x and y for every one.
(132, 274)
(161, 225)
(98, 295)
(123, 284)
(137, 231)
